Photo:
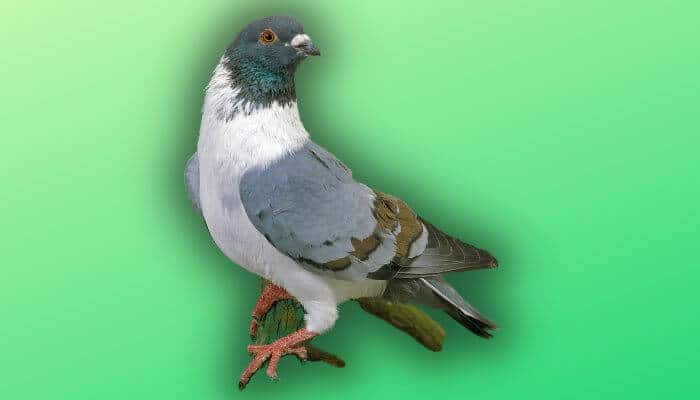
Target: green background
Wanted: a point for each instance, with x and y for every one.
(562, 137)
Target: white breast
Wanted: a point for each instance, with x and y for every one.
(227, 149)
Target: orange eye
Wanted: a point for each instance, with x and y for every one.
(267, 36)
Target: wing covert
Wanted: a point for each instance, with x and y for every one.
(309, 207)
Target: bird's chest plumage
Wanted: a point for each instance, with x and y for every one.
(227, 150)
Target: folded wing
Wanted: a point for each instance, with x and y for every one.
(308, 206)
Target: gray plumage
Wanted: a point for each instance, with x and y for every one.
(444, 254)
(309, 207)
(436, 292)
(192, 182)
(288, 210)
(301, 203)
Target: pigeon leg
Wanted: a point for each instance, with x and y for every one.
(290, 344)
(270, 294)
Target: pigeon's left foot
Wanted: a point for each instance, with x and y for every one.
(270, 294)
(290, 344)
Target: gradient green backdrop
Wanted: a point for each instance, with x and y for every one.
(563, 137)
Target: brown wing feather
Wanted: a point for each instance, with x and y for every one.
(394, 215)
(396, 220)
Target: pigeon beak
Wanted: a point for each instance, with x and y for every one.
(303, 44)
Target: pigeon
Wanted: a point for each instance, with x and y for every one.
(286, 209)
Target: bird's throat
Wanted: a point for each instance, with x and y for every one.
(261, 86)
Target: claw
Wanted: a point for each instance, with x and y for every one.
(253, 328)
(273, 352)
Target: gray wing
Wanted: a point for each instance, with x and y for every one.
(192, 181)
(309, 207)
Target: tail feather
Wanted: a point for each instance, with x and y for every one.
(457, 308)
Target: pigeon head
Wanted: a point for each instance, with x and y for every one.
(264, 56)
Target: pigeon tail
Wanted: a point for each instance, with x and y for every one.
(458, 308)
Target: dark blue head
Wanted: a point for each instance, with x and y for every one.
(264, 57)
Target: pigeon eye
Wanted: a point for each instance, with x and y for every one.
(267, 36)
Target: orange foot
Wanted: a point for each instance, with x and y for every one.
(290, 344)
(269, 296)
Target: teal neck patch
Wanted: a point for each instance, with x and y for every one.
(260, 85)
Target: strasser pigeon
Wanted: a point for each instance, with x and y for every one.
(286, 209)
